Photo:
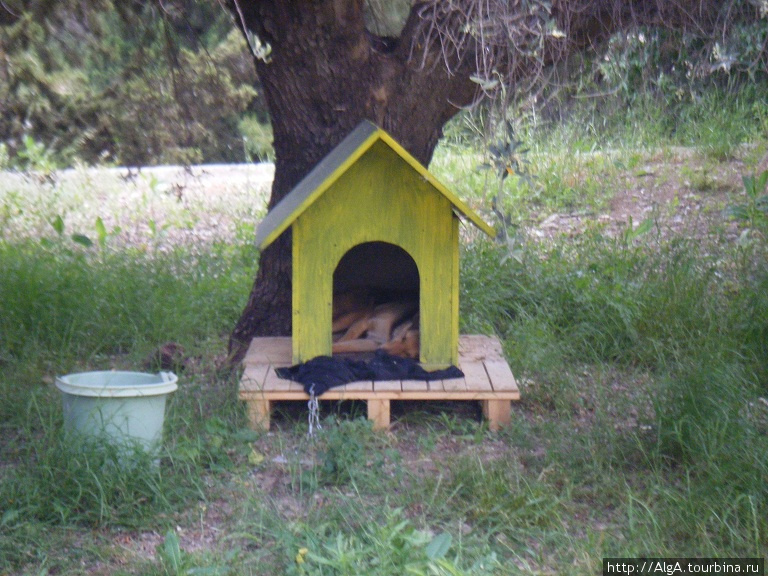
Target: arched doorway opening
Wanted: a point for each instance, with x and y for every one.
(376, 301)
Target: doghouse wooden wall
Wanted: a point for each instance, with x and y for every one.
(377, 200)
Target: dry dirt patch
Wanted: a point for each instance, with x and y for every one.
(684, 192)
(170, 205)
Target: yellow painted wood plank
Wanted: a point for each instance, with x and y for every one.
(402, 210)
(314, 184)
(333, 166)
(429, 177)
(454, 291)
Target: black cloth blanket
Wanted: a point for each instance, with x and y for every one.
(325, 372)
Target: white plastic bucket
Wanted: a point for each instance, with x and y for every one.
(123, 407)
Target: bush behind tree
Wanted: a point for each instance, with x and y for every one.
(132, 88)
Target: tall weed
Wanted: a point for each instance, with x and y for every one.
(380, 540)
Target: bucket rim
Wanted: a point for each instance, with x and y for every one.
(100, 387)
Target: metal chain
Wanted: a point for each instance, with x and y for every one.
(314, 413)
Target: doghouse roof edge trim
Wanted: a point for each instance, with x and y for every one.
(331, 168)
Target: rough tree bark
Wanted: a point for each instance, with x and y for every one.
(326, 72)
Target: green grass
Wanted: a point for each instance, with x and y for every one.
(643, 426)
(69, 308)
(692, 325)
(67, 300)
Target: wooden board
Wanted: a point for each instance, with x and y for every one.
(487, 378)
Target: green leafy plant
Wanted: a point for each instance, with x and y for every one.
(394, 547)
(257, 140)
(632, 232)
(507, 157)
(57, 223)
(5, 158)
(176, 562)
(754, 212)
(343, 450)
(35, 156)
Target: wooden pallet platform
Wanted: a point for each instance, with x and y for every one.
(487, 378)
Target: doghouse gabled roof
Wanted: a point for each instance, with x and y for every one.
(330, 168)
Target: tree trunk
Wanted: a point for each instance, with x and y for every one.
(325, 74)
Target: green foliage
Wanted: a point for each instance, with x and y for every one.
(58, 478)
(126, 85)
(63, 298)
(257, 139)
(754, 212)
(392, 545)
(176, 562)
(195, 119)
(35, 156)
(507, 157)
(347, 451)
(668, 67)
(673, 311)
(496, 496)
(344, 449)
(717, 120)
(643, 363)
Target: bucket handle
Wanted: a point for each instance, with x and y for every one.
(168, 376)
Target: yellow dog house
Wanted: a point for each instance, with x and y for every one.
(370, 215)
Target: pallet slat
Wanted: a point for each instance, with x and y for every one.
(357, 387)
(435, 386)
(253, 377)
(268, 351)
(414, 386)
(475, 373)
(455, 385)
(274, 384)
(500, 375)
(388, 386)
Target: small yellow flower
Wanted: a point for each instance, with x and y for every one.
(300, 556)
(255, 458)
